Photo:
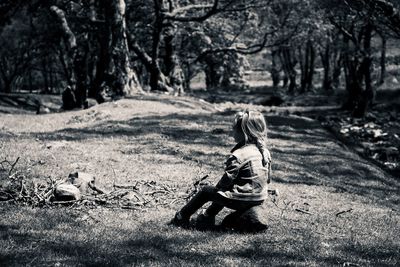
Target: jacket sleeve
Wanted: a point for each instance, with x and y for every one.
(232, 166)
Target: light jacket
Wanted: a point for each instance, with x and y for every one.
(245, 176)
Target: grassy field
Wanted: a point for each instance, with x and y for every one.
(351, 216)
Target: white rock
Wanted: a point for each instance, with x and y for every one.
(81, 180)
(67, 192)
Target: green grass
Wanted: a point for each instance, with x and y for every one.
(174, 141)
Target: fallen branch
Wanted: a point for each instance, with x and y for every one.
(303, 211)
(156, 192)
(9, 163)
(13, 165)
(126, 185)
(116, 194)
(130, 208)
(66, 202)
(343, 211)
(95, 188)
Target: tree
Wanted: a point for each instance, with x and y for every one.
(287, 18)
(114, 66)
(330, 51)
(209, 34)
(356, 28)
(357, 21)
(15, 44)
(125, 79)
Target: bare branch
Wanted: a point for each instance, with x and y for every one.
(12, 166)
(247, 6)
(139, 51)
(213, 10)
(344, 31)
(184, 9)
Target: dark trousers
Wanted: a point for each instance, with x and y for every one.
(210, 193)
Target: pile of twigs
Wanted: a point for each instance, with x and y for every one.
(142, 194)
(16, 187)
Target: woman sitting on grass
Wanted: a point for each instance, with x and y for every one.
(244, 183)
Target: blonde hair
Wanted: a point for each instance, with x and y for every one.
(254, 128)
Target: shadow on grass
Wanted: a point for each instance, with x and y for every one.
(150, 245)
(181, 128)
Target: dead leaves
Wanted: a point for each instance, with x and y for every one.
(374, 136)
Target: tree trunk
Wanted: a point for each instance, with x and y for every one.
(173, 69)
(7, 86)
(81, 70)
(155, 70)
(125, 79)
(147, 61)
(30, 80)
(168, 35)
(212, 73)
(274, 69)
(289, 67)
(368, 95)
(337, 68)
(352, 75)
(358, 71)
(94, 46)
(383, 60)
(51, 79)
(45, 75)
(331, 59)
(307, 66)
(103, 53)
(67, 72)
(303, 62)
(311, 66)
(353, 83)
(187, 76)
(285, 80)
(326, 63)
(6, 79)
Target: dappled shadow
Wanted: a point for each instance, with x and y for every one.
(152, 244)
(153, 134)
(183, 128)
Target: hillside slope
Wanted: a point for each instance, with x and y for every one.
(334, 207)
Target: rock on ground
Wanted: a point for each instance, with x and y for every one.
(251, 220)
